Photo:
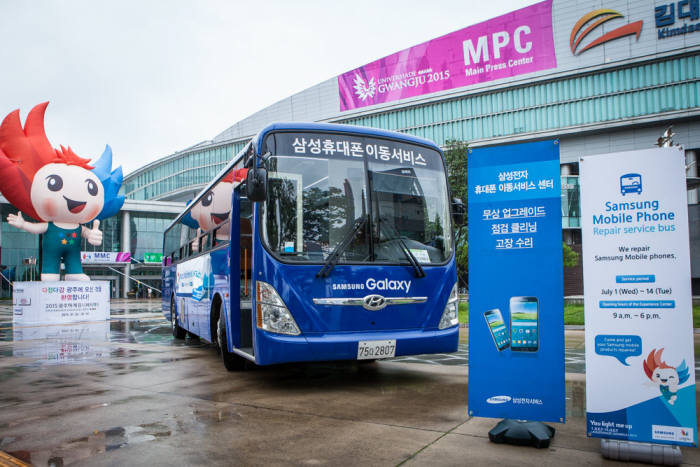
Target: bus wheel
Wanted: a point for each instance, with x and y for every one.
(178, 332)
(232, 362)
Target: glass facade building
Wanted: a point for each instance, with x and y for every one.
(149, 228)
(181, 175)
(630, 92)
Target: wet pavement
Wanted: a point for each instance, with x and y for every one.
(124, 392)
(575, 361)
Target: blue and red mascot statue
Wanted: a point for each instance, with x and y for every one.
(58, 189)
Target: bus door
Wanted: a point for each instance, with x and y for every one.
(241, 272)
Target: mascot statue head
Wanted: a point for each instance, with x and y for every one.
(56, 188)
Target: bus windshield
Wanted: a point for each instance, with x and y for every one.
(323, 186)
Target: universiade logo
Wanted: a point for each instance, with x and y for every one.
(363, 89)
(578, 33)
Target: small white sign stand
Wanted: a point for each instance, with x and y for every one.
(54, 302)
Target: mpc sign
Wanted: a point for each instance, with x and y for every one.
(554, 36)
(510, 45)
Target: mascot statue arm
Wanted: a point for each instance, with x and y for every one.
(16, 220)
(94, 235)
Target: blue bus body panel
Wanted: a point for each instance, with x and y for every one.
(276, 348)
(198, 309)
(332, 332)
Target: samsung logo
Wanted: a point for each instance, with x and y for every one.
(498, 399)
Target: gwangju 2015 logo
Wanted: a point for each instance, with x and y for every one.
(594, 20)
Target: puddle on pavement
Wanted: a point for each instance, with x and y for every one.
(95, 443)
(74, 343)
(101, 441)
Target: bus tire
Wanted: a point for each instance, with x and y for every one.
(232, 362)
(178, 332)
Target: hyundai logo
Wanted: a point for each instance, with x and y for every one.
(373, 302)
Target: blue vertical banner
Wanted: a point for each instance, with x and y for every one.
(516, 303)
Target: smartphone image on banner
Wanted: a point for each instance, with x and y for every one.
(497, 326)
(524, 328)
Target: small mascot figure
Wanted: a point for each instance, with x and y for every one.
(58, 188)
(668, 378)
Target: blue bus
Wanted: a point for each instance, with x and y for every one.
(318, 242)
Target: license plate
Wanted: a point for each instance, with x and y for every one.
(368, 350)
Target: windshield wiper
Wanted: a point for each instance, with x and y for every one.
(393, 234)
(341, 247)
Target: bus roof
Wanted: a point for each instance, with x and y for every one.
(338, 128)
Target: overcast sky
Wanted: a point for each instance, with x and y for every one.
(150, 78)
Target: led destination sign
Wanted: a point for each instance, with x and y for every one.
(334, 146)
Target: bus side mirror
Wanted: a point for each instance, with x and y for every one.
(256, 184)
(459, 211)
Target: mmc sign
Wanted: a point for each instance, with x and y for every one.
(104, 257)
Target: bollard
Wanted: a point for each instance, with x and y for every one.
(659, 454)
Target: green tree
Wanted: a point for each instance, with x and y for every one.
(570, 256)
(456, 161)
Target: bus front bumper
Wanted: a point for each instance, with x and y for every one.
(274, 348)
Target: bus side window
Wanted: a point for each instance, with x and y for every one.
(172, 244)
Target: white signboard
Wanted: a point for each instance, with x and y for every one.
(640, 369)
(59, 301)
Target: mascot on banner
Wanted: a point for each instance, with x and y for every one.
(667, 377)
(57, 188)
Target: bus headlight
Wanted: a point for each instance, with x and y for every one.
(449, 316)
(273, 315)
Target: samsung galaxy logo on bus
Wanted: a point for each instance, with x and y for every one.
(374, 284)
(498, 399)
(386, 284)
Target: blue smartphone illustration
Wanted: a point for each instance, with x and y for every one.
(524, 319)
(497, 326)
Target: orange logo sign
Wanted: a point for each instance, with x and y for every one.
(578, 33)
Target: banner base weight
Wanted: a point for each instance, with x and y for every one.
(659, 454)
(522, 433)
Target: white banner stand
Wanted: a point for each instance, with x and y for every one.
(54, 302)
